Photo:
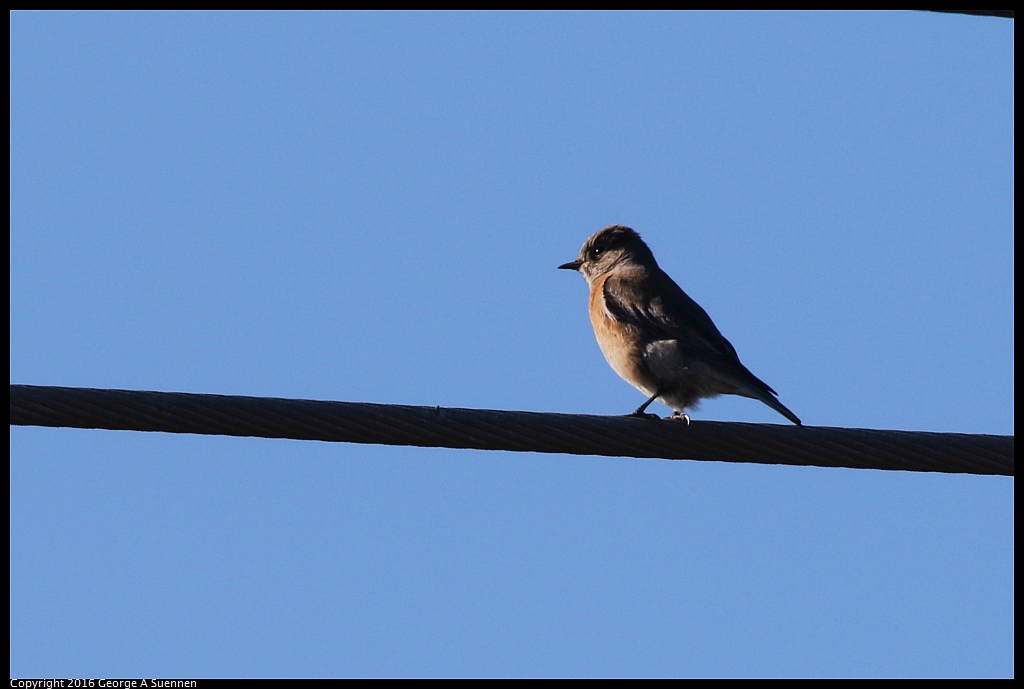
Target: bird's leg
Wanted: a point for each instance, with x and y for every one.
(640, 410)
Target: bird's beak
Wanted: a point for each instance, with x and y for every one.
(571, 265)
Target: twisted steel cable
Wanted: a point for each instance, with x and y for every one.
(482, 429)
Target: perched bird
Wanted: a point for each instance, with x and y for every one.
(653, 335)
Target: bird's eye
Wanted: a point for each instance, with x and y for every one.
(596, 251)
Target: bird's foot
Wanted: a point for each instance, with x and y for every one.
(638, 414)
(676, 416)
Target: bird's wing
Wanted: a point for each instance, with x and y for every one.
(653, 302)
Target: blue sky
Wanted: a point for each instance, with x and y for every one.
(370, 207)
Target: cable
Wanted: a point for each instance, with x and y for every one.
(516, 431)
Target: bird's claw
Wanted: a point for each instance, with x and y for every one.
(643, 415)
(676, 416)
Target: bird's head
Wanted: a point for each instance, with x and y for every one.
(615, 245)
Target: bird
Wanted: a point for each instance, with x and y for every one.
(654, 335)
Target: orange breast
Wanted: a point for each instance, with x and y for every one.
(620, 343)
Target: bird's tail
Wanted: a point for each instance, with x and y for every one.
(773, 402)
(757, 389)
